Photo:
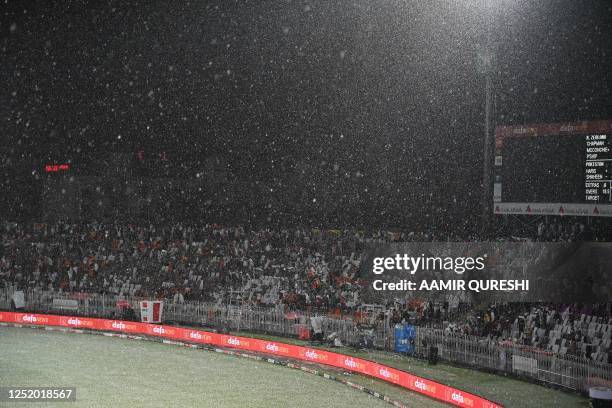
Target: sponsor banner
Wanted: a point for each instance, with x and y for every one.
(162, 330)
(122, 326)
(272, 347)
(385, 373)
(427, 387)
(237, 342)
(315, 355)
(30, 318)
(198, 336)
(551, 129)
(82, 322)
(389, 374)
(585, 210)
(352, 363)
(461, 399)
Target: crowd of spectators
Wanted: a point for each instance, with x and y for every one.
(583, 330)
(564, 231)
(297, 268)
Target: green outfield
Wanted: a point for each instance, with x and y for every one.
(114, 372)
(110, 371)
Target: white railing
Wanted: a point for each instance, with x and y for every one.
(567, 371)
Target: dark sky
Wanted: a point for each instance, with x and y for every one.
(385, 95)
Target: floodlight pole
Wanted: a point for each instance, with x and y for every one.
(487, 147)
(488, 68)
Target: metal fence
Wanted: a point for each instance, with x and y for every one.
(566, 371)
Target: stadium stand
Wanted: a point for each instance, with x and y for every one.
(292, 269)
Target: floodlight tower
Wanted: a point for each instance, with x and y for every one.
(487, 65)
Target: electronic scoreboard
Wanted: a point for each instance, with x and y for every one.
(554, 169)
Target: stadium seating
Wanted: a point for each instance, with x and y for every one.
(296, 268)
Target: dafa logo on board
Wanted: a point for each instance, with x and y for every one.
(386, 373)
(353, 364)
(163, 330)
(237, 342)
(275, 348)
(199, 336)
(458, 398)
(309, 354)
(29, 318)
(76, 322)
(119, 325)
(424, 386)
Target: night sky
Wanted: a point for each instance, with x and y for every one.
(315, 106)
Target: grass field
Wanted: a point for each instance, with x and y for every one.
(510, 392)
(109, 371)
(116, 372)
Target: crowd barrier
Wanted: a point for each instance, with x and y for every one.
(565, 371)
(403, 379)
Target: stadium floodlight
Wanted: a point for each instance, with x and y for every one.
(486, 60)
(485, 65)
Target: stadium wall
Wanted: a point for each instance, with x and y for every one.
(391, 375)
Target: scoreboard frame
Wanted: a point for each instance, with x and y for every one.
(503, 133)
